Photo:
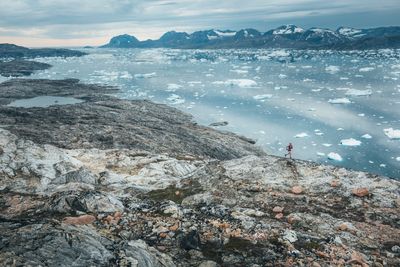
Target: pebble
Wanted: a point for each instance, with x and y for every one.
(297, 189)
(278, 209)
(84, 219)
(360, 192)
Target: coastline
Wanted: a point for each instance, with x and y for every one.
(134, 182)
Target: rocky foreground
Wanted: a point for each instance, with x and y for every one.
(110, 182)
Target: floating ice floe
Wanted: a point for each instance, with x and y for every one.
(261, 97)
(244, 83)
(301, 135)
(366, 69)
(366, 136)
(320, 154)
(145, 75)
(350, 142)
(175, 99)
(355, 92)
(240, 71)
(392, 133)
(398, 158)
(332, 69)
(173, 87)
(339, 101)
(327, 145)
(335, 156)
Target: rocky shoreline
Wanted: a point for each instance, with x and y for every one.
(19, 68)
(110, 182)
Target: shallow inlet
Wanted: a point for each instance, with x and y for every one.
(44, 101)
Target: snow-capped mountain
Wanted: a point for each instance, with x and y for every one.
(123, 41)
(288, 29)
(350, 32)
(247, 33)
(286, 36)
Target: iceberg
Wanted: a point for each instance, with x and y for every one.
(366, 136)
(332, 69)
(301, 135)
(145, 75)
(355, 92)
(392, 133)
(366, 69)
(244, 83)
(335, 156)
(261, 97)
(339, 101)
(350, 142)
(173, 87)
(175, 99)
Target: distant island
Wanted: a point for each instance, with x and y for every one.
(286, 36)
(18, 52)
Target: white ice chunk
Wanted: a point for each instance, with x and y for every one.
(366, 69)
(355, 92)
(366, 136)
(301, 135)
(392, 133)
(332, 69)
(240, 71)
(350, 142)
(244, 83)
(339, 101)
(260, 97)
(175, 99)
(335, 156)
(145, 75)
(173, 86)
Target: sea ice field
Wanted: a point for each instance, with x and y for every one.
(336, 107)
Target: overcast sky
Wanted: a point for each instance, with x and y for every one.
(94, 22)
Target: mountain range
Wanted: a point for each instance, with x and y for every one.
(286, 36)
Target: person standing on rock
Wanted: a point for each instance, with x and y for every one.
(289, 149)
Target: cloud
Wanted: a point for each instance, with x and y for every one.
(100, 19)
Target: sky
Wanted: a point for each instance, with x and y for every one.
(48, 23)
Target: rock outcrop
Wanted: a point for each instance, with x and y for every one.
(133, 183)
(18, 68)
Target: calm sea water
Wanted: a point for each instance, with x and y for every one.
(335, 107)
